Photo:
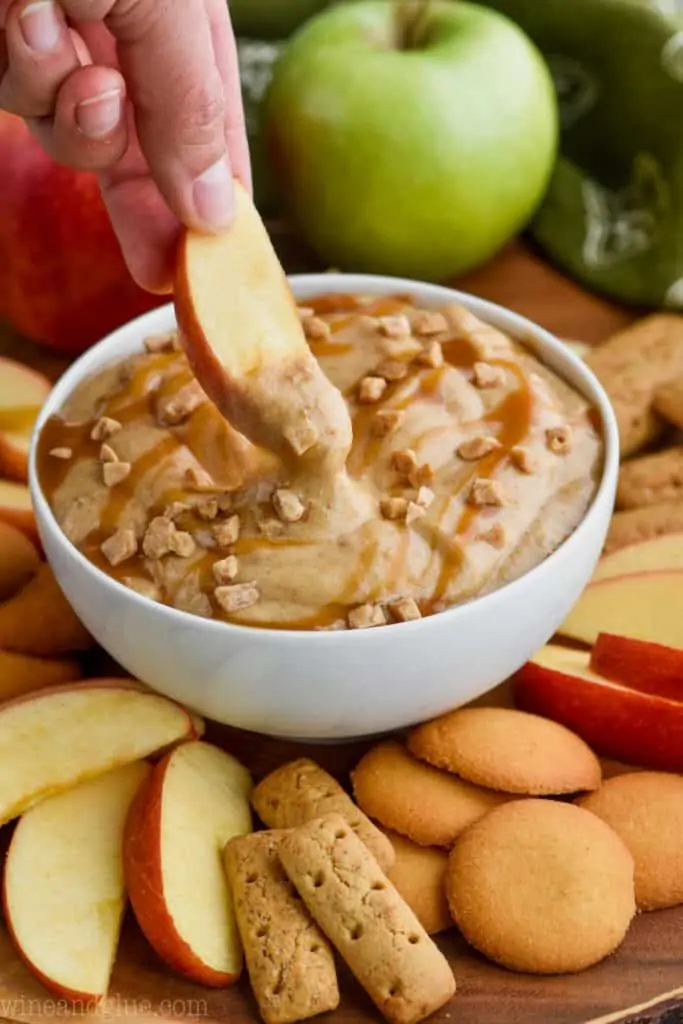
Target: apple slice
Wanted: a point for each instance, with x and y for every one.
(652, 555)
(63, 891)
(243, 336)
(196, 799)
(645, 606)
(17, 510)
(619, 723)
(22, 393)
(643, 666)
(40, 621)
(54, 738)
(19, 560)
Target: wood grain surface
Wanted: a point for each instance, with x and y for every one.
(649, 963)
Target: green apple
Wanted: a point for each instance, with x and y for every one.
(271, 19)
(411, 139)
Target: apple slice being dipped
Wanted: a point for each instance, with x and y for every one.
(63, 890)
(243, 337)
(196, 799)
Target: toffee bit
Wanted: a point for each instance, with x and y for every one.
(522, 459)
(495, 536)
(486, 492)
(225, 570)
(425, 497)
(182, 544)
(174, 409)
(227, 532)
(385, 422)
(392, 370)
(105, 428)
(62, 453)
(414, 512)
(114, 473)
(371, 389)
(405, 610)
(404, 461)
(143, 587)
(431, 356)
(335, 626)
(316, 329)
(393, 508)
(176, 509)
(476, 448)
(157, 539)
(288, 506)
(207, 509)
(394, 326)
(425, 323)
(236, 597)
(559, 439)
(366, 616)
(271, 528)
(107, 454)
(424, 474)
(487, 376)
(121, 546)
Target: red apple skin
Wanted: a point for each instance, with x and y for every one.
(145, 884)
(64, 282)
(622, 724)
(640, 665)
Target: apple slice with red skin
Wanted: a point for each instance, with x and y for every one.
(645, 606)
(22, 393)
(651, 555)
(619, 723)
(55, 738)
(639, 664)
(63, 887)
(196, 799)
(243, 337)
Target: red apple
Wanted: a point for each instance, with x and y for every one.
(617, 722)
(639, 664)
(63, 280)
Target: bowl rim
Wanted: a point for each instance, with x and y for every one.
(539, 340)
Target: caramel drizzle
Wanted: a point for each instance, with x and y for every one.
(163, 373)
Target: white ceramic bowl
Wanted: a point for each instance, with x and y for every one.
(334, 685)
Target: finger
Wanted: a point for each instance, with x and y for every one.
(166, 55)
(225, 51)
(40, 55)
(89, 130)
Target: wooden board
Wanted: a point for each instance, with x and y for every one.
(649, 962)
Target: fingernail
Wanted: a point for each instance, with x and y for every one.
(213, 196)
(99, 115)
(41, 26)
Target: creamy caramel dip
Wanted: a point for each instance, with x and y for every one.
(471, 462)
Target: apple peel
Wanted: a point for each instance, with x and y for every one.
(641, 665)
(243, 336)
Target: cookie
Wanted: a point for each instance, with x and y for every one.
(301, 790)
(669, 402)
(419, 874)
(651, 479)
(416, 800)
(633, 366)
(541, 887)
(508, 750)
(289, 960)
(646, 810)
(362, 914)
(638, 524)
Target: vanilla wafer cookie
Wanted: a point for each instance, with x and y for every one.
(365, 918)
(289, 960)
(301, 790)
(669, 402)
(651, 479)
(635, 524)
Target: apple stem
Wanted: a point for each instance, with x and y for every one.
(413, 19)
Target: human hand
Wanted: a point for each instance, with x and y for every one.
(144, 92)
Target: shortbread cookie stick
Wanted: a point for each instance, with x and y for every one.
(669, 402)
(651, 479)
(633, 366)
(301, 790)
(374, 930)
(637, 524)
(289, 960)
